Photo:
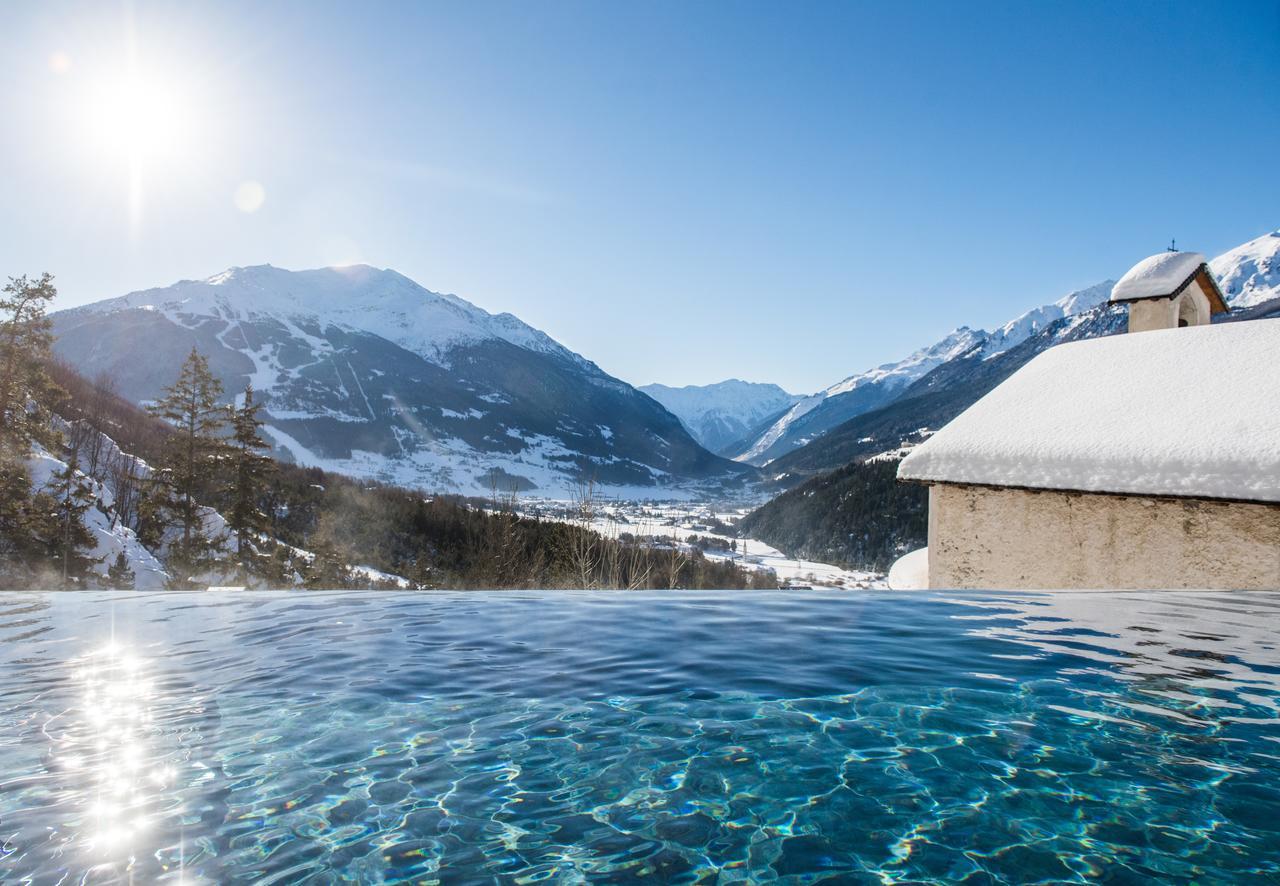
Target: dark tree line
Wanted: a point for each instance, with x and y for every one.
(858, 516)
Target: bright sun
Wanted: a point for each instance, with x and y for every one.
(139, 118)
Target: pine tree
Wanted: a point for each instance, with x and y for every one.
(26, 390)
(250, 470)
(27, 522)
(277, 568)
(70, 538)
(327, 571)
(191, 458)
(25, 341)
(119, 575)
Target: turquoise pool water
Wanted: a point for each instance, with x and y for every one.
(528, 737)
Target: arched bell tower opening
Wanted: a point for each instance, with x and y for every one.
(1188, 311)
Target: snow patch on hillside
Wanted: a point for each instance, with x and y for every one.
(111, 537)
(448, 463)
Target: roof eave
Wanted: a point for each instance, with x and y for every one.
(1074, 491)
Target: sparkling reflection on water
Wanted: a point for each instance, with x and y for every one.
(521, 737)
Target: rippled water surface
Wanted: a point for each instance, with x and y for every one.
(521, 737)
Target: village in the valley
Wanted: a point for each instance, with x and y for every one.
(707, 529)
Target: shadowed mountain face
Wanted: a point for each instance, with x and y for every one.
(366, 373)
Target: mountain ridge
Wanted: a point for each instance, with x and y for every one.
(862, 392)
(365, 372)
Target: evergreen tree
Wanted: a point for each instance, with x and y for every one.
(190, 459)
(27, 522)
(119, 575)
(250, 471)
(327, 571)
(25, 341)
(278, 567)
(26, 517)
(72, 495)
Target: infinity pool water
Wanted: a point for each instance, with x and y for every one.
(523, 737)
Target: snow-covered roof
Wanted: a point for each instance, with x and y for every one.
(1157, 276)
(1145, 414)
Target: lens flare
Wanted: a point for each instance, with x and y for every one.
(250, 196)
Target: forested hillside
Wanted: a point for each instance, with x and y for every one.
(187, 489)
(858, 516)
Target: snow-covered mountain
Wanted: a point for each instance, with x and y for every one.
(366, 373)
(721, 414)
(1248, 277)
(1250, 274)
(813, 416)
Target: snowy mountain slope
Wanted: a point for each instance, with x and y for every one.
(356, 297)
(1018, 330)
(721, 414)
(937, 397)
(366, 373)
(814, 416)
(1250, 274)
(111, 536)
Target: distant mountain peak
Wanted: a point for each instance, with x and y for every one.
(1250, 274)
(359, 297)
(722, 414)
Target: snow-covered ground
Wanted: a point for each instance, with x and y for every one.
(451, 464)
(666, 523)
(110, 536)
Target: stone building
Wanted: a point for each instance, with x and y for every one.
(1171, 289)
(1147, 460)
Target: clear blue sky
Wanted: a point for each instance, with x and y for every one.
(683, 192)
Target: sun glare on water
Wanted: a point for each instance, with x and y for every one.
(107, 741)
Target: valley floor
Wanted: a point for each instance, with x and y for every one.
(705, 526)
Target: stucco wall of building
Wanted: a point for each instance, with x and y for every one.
(985, 537)
(1191, 304)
